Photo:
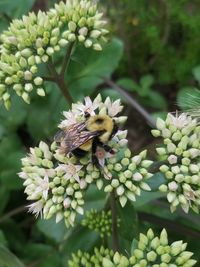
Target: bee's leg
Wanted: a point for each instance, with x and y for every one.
(115, 129)
(107, 148)
(95, 160)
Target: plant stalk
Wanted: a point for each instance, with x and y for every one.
(59, 80)
(115, 241)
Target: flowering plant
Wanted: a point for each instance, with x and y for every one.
(57, 180)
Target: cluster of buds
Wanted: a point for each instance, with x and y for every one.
(35, 38)
(100, 222)
(56, 182)
(101, 257)
(129, 175)
(180, 153)
(150, 250)
(155, 251)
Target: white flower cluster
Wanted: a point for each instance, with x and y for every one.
(35, 38)
(180, 152)
(56, 182)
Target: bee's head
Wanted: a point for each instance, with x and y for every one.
(102, 123)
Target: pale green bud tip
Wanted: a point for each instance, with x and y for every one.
(41, 92)
(160, 124)
(151, 256)
(155, 133)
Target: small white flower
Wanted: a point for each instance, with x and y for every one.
(36, 208)
(173, 186)
(42, 186)
(59, 217)
(190, 195)
(49, 172)
(71, 118)
(179, 121)
(66, 202)
(113, 107)
(23, 175)
(70, 171)
(82, 184)
(137, 176)
(172, 159)
(88, 107)
(32, 159)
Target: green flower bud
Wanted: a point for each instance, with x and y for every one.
(161, 151)
(125, 161)
(122, 200)
(155, 133)
(40, 92)
(151, 256)
(28, 87)
(88, 43)
(160, 124)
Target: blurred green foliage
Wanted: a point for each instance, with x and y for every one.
(161, 54)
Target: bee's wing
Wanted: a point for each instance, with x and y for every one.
(73, 136)
(75, 140)
(74, 128)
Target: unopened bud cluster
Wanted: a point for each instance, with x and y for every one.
(35, 38)
(56, 182)
(100, 222)
(129, 175)
(156, 251)
(101, 257)
(180, 152)
(150, 250)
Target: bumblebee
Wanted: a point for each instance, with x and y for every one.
(81, 138)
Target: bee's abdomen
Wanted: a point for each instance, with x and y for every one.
(79, 153)
(86, 146)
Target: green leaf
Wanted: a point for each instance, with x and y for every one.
(160, 114)
(46, 255)
(8, 259)
(94, 198)
(15, 116)
(81, 238)
(128, 84)
(128, 221)
(2, 131)
(156, 100)
(3, 240)
(4, 196)
(114, 95)
(134, 245)
(146, 82)
(154, 182)
(53, 230)
(83, 77)
(48, 111)
(196, 73)
(15, 8)
(10, 179)
(11, 163)
(189, 98)
(147, 197)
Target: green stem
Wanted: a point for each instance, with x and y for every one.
(12, 213)
(59, 80)
(115, 242)
(66, 60)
